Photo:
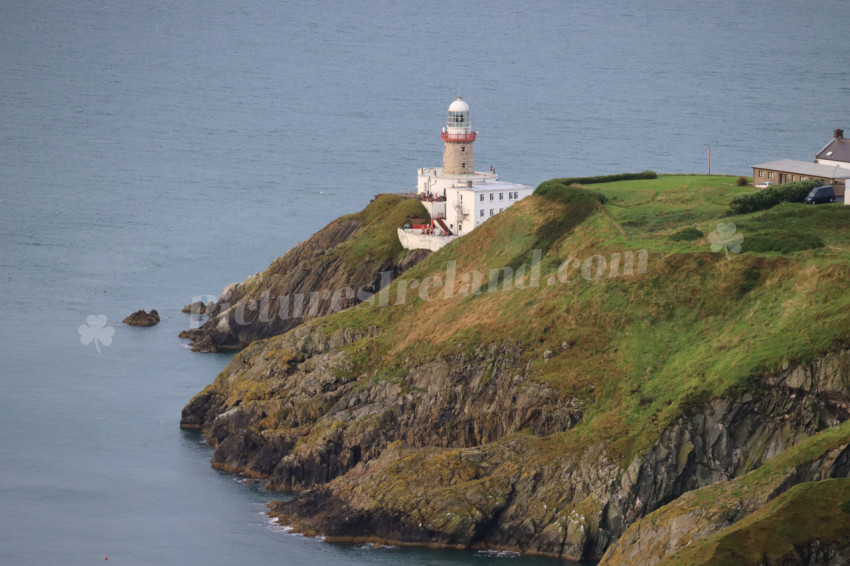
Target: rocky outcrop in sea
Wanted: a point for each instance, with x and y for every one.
(142, 318)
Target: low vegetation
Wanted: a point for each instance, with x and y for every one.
(771, 196)
(566, 181)
(687, 235)
(378, 237)
(808, 516)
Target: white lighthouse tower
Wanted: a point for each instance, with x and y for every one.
(458, 197)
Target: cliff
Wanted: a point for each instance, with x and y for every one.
(792, 510)
(513, 391)
(339, 266)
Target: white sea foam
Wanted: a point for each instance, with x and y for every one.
(373, 546)
(498, 553)
(273, 524)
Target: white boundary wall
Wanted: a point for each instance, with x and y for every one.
(411, 240)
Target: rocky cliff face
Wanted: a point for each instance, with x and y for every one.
(573, 506)
(339, 266)
(463, 451)
(305, 421)
(792, 511)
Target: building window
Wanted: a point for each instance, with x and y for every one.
(463, 165)
(510, 196)
(501, 196)
(770, 174)
(491, 212)
(501, 209)
(491, 196)
(482, 213)
(761, 173)
(463, 149)
(516, 195)
(481, 197)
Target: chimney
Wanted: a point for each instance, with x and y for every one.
(839, 134)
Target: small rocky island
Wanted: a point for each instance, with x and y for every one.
(142, 318)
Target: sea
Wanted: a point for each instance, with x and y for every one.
(152, 152)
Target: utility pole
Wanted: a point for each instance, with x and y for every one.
(709, 160)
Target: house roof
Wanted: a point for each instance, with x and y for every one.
(806, 168)
(836, 150)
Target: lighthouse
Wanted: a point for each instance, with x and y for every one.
(458, 138)
(458, 197)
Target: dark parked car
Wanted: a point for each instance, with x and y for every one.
(820, 195)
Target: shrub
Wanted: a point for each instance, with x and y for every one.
(782, 242)
(562, 189)
(566, 181)
(751, 277)
(742, 181)
(687, 235)
(771, 196)
(567, 193)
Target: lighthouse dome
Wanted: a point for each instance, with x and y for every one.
(458, 116)
(459, 106)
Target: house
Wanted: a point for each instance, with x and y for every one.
(788, 170)
(831, 166)
(836, 152)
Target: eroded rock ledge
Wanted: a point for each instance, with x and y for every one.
(464, 450)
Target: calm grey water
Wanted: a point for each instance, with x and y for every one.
(153, 151)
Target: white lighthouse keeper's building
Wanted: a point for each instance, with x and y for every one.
(458, 197)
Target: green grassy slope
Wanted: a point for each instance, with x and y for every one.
(807, 514)
(638, 350)
(375, 241)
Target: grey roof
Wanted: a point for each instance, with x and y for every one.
(840, 148)
(806, 168)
